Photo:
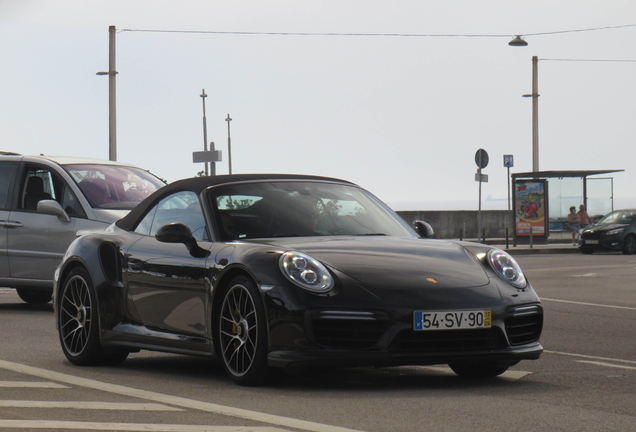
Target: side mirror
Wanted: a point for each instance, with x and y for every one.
(179, 233)
(423, 229)
(174, 233)
(52, 207)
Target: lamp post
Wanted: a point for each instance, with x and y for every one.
(205, 129)
(535, 113)
(229, 143)
(112, 101)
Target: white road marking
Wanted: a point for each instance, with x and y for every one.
(589, 304)
(590, 357)
(8, 291)
(607, 364)
(134, 427)
(173, 400)
(586, 275)
(87, 405)
(30, 384)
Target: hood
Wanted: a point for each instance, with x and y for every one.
(109, 216)
(601, 228)
(380, 261)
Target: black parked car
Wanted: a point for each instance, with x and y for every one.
(278, 271)
(614, 231)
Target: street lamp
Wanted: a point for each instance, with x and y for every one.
(112, 102)
(229, 143)
(205, 129)
(535, 113)
(518, 41)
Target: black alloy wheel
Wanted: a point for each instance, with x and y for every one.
(478, 370)
(79, 323)
(629, 245)
(242, 333)
(34, 296)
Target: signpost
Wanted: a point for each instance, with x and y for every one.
(481, 159)
(208, 156)
(509, 162)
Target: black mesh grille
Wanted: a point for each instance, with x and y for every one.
(347, 330)
(449, 340)
(524, 324)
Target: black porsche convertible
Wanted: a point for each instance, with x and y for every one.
(289, 271)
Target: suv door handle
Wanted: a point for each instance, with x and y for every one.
(11, 224)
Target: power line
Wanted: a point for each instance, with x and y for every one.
(579, 30)
(312, 34)
(372, 34)
(589, 60)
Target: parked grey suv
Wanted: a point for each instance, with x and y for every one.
(45, 200)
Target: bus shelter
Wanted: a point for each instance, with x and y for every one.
(541, 199)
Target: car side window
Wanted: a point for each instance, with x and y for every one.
(6, 173)
(41, 183)
(37, 186)
(144, 226)
(71, 204)
(183, 207)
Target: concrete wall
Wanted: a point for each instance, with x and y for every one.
(463, 223)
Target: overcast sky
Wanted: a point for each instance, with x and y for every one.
(401, 116)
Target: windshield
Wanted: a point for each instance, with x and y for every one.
(618, 217)
(113, 186)
(289, 209)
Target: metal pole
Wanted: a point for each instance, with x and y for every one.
(112, 101)
(479, 213)
(229, 143)
(508, 188)
(535, 114)
(585, 192)
(205, 129)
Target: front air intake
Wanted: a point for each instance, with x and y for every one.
(524, 324)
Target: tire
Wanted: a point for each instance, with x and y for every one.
(478, 370)
(242, 340)
(34, 296)
(587, 250)
(78, 321)
(629, 245)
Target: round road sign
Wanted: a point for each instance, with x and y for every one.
(481, 158)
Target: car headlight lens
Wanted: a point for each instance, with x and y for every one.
(507, 268)
(306, 272)
(614, 232)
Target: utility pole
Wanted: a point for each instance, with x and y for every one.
(229, 143)
(112, 92)
(205, 129)
(535, 113)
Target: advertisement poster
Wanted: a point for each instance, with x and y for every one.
(530, 207)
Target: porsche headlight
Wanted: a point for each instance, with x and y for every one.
(507, 268)
(614, 232)
(306, 272)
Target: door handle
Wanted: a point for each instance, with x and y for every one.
(11, 224)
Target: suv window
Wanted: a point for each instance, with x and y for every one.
(6, 173)
(41, 183)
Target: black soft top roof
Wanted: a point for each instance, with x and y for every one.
(199, 184)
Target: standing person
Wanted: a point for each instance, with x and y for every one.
(584, 219)
(573, 220)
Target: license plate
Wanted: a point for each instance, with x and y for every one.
(452, 320)
(591, 241)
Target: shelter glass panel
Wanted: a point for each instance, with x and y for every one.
(600, 195)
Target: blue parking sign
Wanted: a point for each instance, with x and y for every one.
(509, 161)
